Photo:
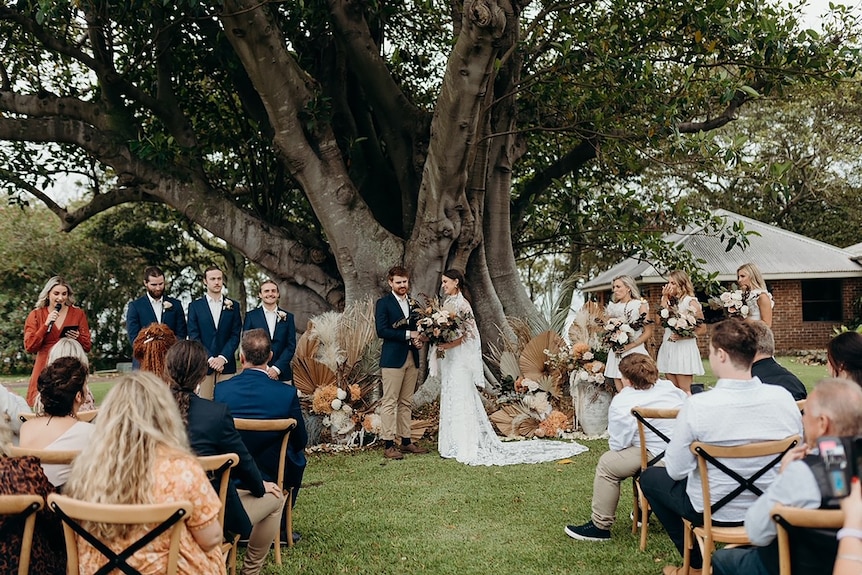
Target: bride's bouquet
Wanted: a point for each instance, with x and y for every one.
(734, 302)
(441, 323)
(619, 332)
(682, 322)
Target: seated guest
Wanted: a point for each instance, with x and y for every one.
(641, 388)
(62, 387)
(139, 454)
(740, 409)
(210, 429)
(24, 476)
(850, 537)
(833, 408)
(844, 355)
(253, 395)
(151, 346)
(67, 347)
(770, 371)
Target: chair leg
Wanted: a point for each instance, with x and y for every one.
(644, 508)
(289, 521)
(686, 547)
(635, 506)
(706, 551)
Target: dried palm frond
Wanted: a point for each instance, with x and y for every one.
(325, 329)
(309, 374)
(306, 347)
(522, 331)
(509, 365)
(532, 360)
(356, 330)
(418, 428)
(552, 383)
(504, 417)
(585, 328)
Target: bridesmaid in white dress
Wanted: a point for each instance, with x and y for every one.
(466, 434)
(760, 302)
(679, 357)
(626, 303)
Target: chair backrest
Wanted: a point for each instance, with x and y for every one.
(816, 547)
(800, 403)
(45, 456)
(88, 415)
(218, 467)
(643, 415)
(709, 454)
(167, 518)
(22, 507)
(285, 425)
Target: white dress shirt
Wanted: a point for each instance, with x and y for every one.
(622, 425)
(215, 308)
(157, 307)
(271, 318)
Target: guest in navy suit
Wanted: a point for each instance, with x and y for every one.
(253, 395)
(279, 324)
(215, 321)
(394, 318)
(253, 506)
(155, 307)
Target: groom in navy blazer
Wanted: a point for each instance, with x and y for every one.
(254, 395)
(278, 323)
(394, 318)
(215, 321)
(142, 311)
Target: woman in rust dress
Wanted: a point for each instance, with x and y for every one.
(53, 318)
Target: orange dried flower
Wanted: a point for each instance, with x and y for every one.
(554, 424)
(321, 401)
(355, 391)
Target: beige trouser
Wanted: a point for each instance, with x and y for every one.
(613, 468)
(265, 515)
(399, 383)
(209, 382)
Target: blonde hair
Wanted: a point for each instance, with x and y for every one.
(755, 277)
(42, 300)
(629, 282)
(68, 347)
(138, 420)
(683, 281)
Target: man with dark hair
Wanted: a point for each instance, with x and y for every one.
(770, 371)
(154, 307)
(279, 324)
(394, 318)
(253, 395)
(214, 320)
(834, 408)
(740, 409)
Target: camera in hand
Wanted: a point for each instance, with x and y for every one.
(837, 462)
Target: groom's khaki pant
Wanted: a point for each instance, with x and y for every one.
(396, 406)
(613, 468)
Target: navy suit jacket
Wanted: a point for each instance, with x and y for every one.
(283, 343)
(211, 432)
(218, 341)
(140, 314)
(253, 395)
(396, 344)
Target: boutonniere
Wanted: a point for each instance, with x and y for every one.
(166, 305)
(281, 315)
(227, 305)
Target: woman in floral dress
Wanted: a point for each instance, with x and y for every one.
(626, 304)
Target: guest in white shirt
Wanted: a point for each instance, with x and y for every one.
(641, 388)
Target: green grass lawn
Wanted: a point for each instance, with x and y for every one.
(809, 374)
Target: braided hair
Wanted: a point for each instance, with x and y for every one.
(186, 366)
(151, 345)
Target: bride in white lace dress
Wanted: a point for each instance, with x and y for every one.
(466, 433)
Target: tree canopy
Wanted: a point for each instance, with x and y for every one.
(327, 141)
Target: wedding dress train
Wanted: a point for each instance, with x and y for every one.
(466, 433)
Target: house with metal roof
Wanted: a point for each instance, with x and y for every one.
(816, 286)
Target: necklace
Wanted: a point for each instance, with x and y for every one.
(72, 414)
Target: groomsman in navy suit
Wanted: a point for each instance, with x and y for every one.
(215, 321)
(278, 323)
(394, 318)
(155, 307)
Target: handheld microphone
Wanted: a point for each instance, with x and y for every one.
(57, 307)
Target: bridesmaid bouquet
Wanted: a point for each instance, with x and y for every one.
(681, 322)
(441, 323)
(733, 302)
(619, 332)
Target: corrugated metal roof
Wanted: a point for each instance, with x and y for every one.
(778, 253)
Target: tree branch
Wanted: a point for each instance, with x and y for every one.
(51, 105)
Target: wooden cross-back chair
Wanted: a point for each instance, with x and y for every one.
(45, 456)
(643, 415)
(812, 530)
(284, 425)
(87, 416)
(167, 518)
(218, 467)
(707, 535)
(19, 511)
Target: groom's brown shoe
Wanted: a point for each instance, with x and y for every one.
(392, 453)
(412, 448)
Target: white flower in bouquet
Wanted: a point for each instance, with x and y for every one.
(530, 384)
(665, 313)
(336, 404)
(341, 394)
(341, 422)
(538, 402)
(347, 409)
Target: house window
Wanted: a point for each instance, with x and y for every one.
(821, 300)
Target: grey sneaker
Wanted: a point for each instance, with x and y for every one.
(588, 532)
